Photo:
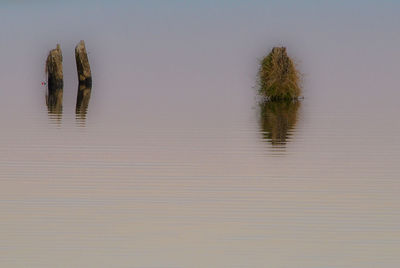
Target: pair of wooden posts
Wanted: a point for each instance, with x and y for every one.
(54, 67)
(55, 79)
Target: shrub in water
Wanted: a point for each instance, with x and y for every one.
(279, 79)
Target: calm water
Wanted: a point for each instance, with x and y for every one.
(169, 161)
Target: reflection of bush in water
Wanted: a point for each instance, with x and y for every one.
(277, 119)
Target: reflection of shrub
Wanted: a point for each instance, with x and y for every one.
(279, 79)
(277, 119)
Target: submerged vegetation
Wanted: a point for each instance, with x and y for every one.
(278, 77)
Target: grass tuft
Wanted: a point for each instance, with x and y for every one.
(278, 77)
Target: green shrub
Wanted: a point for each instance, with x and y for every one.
(278, 77)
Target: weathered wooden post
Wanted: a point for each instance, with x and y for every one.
(55, 81)
(54, 69)
(85, 80)
(82, 64)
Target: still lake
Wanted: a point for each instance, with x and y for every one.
(171, 161)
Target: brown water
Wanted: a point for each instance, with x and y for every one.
(169, 161)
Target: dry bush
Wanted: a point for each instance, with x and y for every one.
(278, 77)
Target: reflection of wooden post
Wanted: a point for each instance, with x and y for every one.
(54, 100)
(54, 69)
(82, 64)
(82, 101)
